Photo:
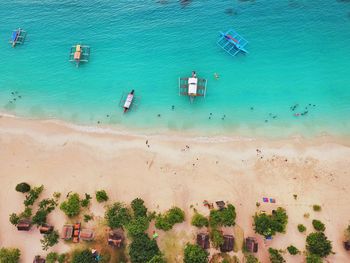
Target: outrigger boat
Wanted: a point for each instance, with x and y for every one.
(18, 37)
(79, 53)
(192, 86)
(128, 101)
(232, 42)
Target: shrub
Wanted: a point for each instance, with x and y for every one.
(251, 259)
(293, 250)
(224, 217)
(23, 188)
(83, 256)
(170, 218)
(117, 215)
(301, 228)
(86, 201)
(48, 204)
(157, 259)
(268, 225)
(318, 225)
(61, 258)
(316, 208)
(216, 237)
(199, 220)
(51, 257)
(275, 256)
(27, 213)
(137, 226)
(40, 217)
(71, 207)
(313, 259)
(14, 219)
(318, 244)
(33, 195)
(101, 196)
(195, 254)
(87, 218)
(9, 255)
(143, 249)
(138, 207)
(49, 240)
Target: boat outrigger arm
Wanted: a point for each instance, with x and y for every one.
(79, 53)
(232, 42)
(192, 86)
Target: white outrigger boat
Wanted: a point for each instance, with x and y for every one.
(128, 101)
(192, 86)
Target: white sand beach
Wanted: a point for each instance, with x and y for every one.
(67, 158)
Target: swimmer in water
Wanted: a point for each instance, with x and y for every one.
(216, 75)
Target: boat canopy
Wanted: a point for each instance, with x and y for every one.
(128, 101)
(192, 86)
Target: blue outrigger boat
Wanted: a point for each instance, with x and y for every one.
(232, 42)
(18, 36)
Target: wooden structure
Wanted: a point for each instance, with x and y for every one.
(228, 244)
(39, 259)
(76, 232)
(24, 225)
(192, 86)
(116, 238)
(251, 244)
(45, 229)
(347, 245)
(67, 232)
(87, 234)
(203, 240)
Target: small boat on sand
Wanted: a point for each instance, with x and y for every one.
(18, 36)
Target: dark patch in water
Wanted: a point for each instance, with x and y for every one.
(230, 12)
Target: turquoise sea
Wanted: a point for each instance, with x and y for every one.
(299, 55)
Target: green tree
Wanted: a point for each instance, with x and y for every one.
(137, 226)
(313, 259)
(199, 220)
(143, 249)
(71, 207)
(9, 255)
(40, 217)
(223, 217)
(268, 225)
(138, 207)
(83, 256)
(275, 256)
(316, 208)
(195, 254)
(14, 219)
(27, 213)
(318, 225)
(51, 257)
(117, 215)
(33, 195)
(293, 250)
(86, 201)
(216, 237)
(101, 196)
(23, 188)
(318, 244)
(170, 218)
(251, 259)
(157, 259)
(49, 240)
(301, 228)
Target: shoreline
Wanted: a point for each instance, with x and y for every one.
(172, 135)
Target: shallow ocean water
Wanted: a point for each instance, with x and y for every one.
(299, 54)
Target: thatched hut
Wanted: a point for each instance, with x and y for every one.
(347, 245)
(87, 234)
(45, 229)
(251, 244)
(39, 259)
(67, 232)
(24, 225)
(203, 240)
(228, 244)
(116, 238)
